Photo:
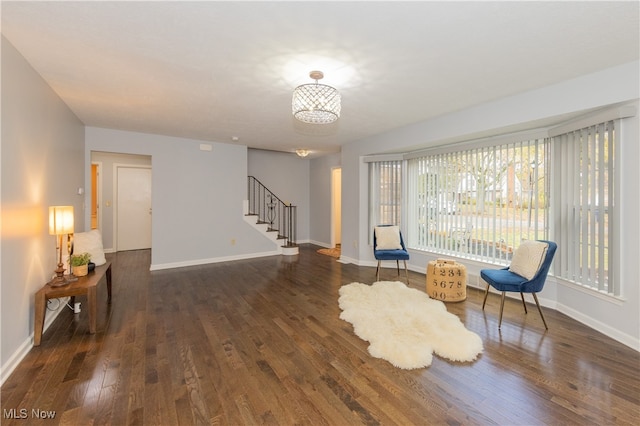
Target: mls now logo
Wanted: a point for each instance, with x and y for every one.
(23, 413)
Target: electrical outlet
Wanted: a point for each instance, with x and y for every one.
(355, 243)
(233, 241)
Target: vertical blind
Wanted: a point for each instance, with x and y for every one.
(385, 193)
(481, 202)
(586, 206)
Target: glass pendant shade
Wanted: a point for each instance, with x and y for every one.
(316, 103)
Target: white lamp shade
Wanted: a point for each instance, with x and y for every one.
(60, 220)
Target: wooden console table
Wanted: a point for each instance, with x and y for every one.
(85, 285)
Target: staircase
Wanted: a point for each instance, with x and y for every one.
(271, 216)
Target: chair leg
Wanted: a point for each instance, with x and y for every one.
(501, 308)
(540, 310)
(486, 293)
(378, 272)
(523, 304)
(406, 271)
(398, 266)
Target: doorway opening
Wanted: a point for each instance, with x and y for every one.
(96, 190)
(336, 207)
(105, 197)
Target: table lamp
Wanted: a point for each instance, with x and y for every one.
(60, 223)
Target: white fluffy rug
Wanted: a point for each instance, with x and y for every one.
(404, 326)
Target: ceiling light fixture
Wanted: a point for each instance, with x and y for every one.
(302, 152)
(316, 103)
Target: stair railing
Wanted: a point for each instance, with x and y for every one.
(280, 216)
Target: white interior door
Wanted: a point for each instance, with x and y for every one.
(133, 208)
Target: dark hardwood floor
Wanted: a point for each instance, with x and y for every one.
(260, 342)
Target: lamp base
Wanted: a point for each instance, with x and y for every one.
(60, 280)
(65, 280)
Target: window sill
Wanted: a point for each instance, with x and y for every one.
(616, 300)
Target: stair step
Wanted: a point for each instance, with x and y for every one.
(262, 217)
(289, 251)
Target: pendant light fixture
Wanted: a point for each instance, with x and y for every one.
(316, 103)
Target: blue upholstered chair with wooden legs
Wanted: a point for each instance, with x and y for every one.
(526, 274)
(389, 245)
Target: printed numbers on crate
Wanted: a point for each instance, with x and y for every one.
(447, 284)
(450, 272)
(446, 281)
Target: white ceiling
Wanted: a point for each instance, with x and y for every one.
(215, 70)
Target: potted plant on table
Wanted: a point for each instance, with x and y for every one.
(80, 264)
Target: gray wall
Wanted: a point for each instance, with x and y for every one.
(197, 197)
(616, 317)
(320, 187)
(41, 165)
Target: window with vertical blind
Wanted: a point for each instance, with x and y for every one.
(385, 193)
(481, 200)
(585, 204)
(479, 203)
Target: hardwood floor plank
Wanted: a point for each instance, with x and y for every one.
(121, 397)
(260, 341)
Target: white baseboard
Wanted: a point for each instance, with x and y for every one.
(605, 329)
(320, 243)
(346, 260)
(599, 326)
(26, 346)
(159, 266)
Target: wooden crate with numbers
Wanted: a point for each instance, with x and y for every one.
(446, 280)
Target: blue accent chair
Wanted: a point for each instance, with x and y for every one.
(504, 280)
(396, 254)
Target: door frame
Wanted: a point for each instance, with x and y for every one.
(98, 198)
(336, 205)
